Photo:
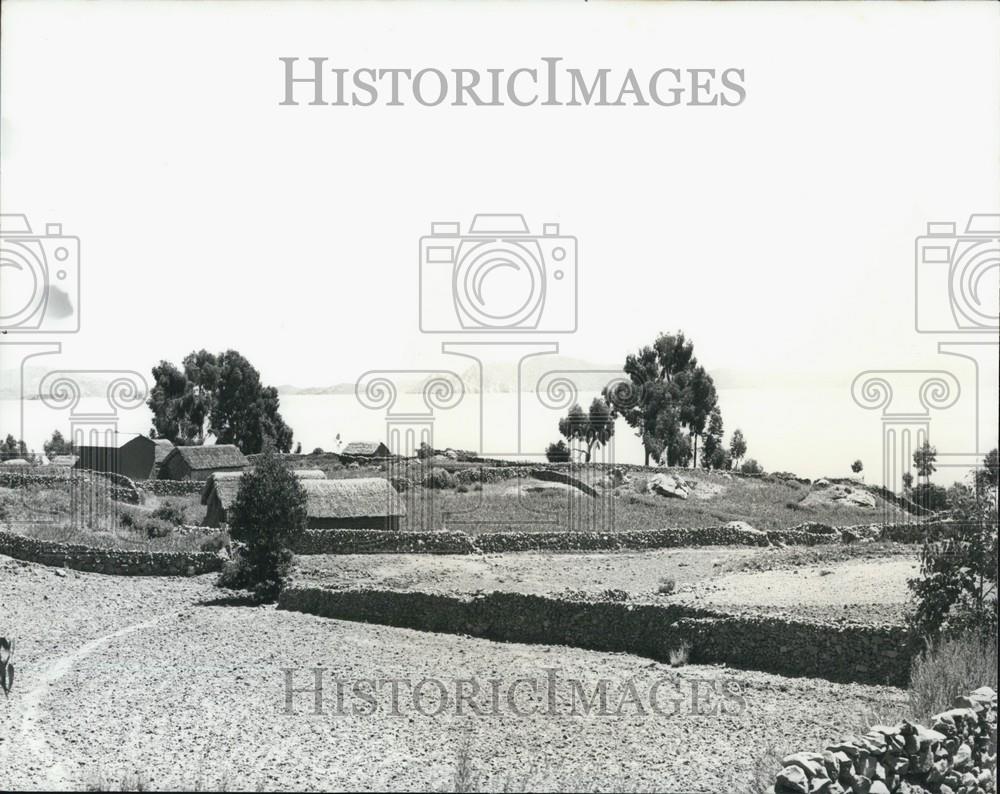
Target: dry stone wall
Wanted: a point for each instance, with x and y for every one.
(110, 561)
(861, 653)
(380, 541)
(956, 755)
(170, 487)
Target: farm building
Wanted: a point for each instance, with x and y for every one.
(197, 463)
(364, 503)
(220, 491)
(366, 449)
(163, 448)
(64, 460)
(131, 456)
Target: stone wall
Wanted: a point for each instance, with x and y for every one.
(956, 755)
(170, 487)
(111, 561)
(119, 487)
(876, 654)
(861, 653)
(380, 541)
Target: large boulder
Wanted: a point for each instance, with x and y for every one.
(668, 485)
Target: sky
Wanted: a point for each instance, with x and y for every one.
(778, 234)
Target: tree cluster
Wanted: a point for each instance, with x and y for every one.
(219, 394)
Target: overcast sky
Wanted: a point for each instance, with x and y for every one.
(779, 234)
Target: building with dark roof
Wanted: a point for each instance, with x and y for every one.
(117, 453)
(198, 462)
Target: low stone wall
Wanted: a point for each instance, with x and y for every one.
(380, 541)
(170, 487)
(111, 561)
(919, 532)
(956, 755)
(25, 479)
(119, 487)
(860, 653)
(876, 654)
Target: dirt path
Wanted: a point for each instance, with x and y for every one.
(30, 737)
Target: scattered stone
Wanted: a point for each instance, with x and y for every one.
(669, 486)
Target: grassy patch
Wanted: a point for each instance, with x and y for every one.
(87, 516)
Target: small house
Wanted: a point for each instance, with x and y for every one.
(197, 463)
(66, 461)
(362, 503)
(220, 491)
(366, 449)
(117, 453)
(164, 446)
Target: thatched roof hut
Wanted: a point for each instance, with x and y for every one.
(369, 502)
(366, 503)
(198, 462)
(366, 449)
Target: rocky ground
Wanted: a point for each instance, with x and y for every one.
(857, 590)
(156, 678)
(638, 573)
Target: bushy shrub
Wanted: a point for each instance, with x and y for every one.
(215, 543)
(956, 592)
(170, 512)
(461, 488)
(930, 496)
(268, 513)
(144, 523)
(667, 586)
(557, 452)
(947, 668)
(157, 527)
(680, 655)
(439, 478)
(751, 466)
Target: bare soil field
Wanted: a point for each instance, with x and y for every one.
(157, 679)
(640, 574)
(859, 587)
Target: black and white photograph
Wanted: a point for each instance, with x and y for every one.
(501, 396)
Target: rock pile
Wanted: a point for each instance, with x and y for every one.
(825, 492)
(957, 755)
(668, 485)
